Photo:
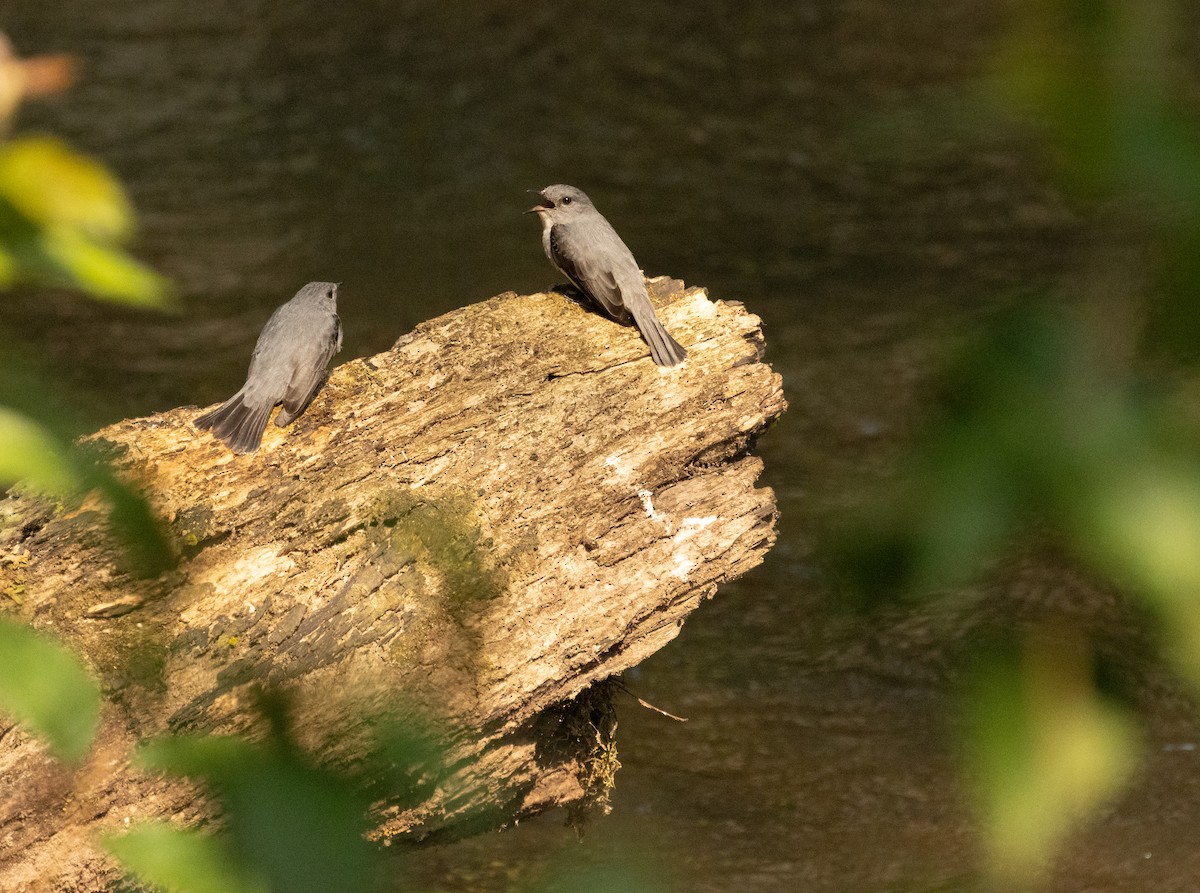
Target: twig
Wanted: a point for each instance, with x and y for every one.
(625, 688)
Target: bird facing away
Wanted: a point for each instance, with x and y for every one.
(585, 247)
(288, 367)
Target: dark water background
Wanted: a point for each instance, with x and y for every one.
(824, 162)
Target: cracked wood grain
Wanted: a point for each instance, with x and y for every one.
(484, 523)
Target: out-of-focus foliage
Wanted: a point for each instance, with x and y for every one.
(28, 452)
(297, 827)
(131, 519)
(182, 861)
(39, 455)
(1032, 430)
(604, 878)
(287, 825)
(1033, 434)
(63, 218)
(1097, 81)
(46, 688)
(1044, 744)
(1094, 77)
(43, 460)
(51, 185)
(1051, 422)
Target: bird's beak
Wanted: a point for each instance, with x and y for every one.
(537, 209)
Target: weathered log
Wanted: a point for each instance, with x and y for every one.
(484, 523)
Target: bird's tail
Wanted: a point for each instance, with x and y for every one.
(664, 350)
(237, 423)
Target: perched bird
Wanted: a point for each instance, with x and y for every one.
(585, 247)
(288, 367)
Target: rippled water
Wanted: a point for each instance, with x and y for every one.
(821, 161)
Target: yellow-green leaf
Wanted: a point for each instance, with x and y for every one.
(46, 688)
(181, 861)
(104, 272)
(30, 453)
(1045, 747)
(54, 186)
(8, 269)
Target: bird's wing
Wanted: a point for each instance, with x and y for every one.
(270, 366)
(610, 275)
(592, 271)
(309, 372)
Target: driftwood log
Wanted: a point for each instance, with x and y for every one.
(484, 524)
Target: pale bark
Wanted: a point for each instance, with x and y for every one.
(484, 523)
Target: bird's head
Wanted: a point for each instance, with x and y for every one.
(561, 204)
(321, 292)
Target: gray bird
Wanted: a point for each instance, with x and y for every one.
(585, 247)
(288, 367)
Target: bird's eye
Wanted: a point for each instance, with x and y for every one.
(566, 200)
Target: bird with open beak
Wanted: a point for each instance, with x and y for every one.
(588, 251)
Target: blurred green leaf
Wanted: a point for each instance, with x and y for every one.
(968, 510)
(1025, 430)
(1091, 76)
(55, 187)
(1031, 431)
(629, 877)
(181, 861)
(217, 758)
(299, 827)
(1051, 66)
(103, 271)
(1044, 747)
(41, 459)
(406, 763)
(46, 687)
(1051, 424)
(30, 453)
(62, 218)
(1174, 325)
(134, 522)
(1160, 145)
(1144, 531)
(8, 268)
